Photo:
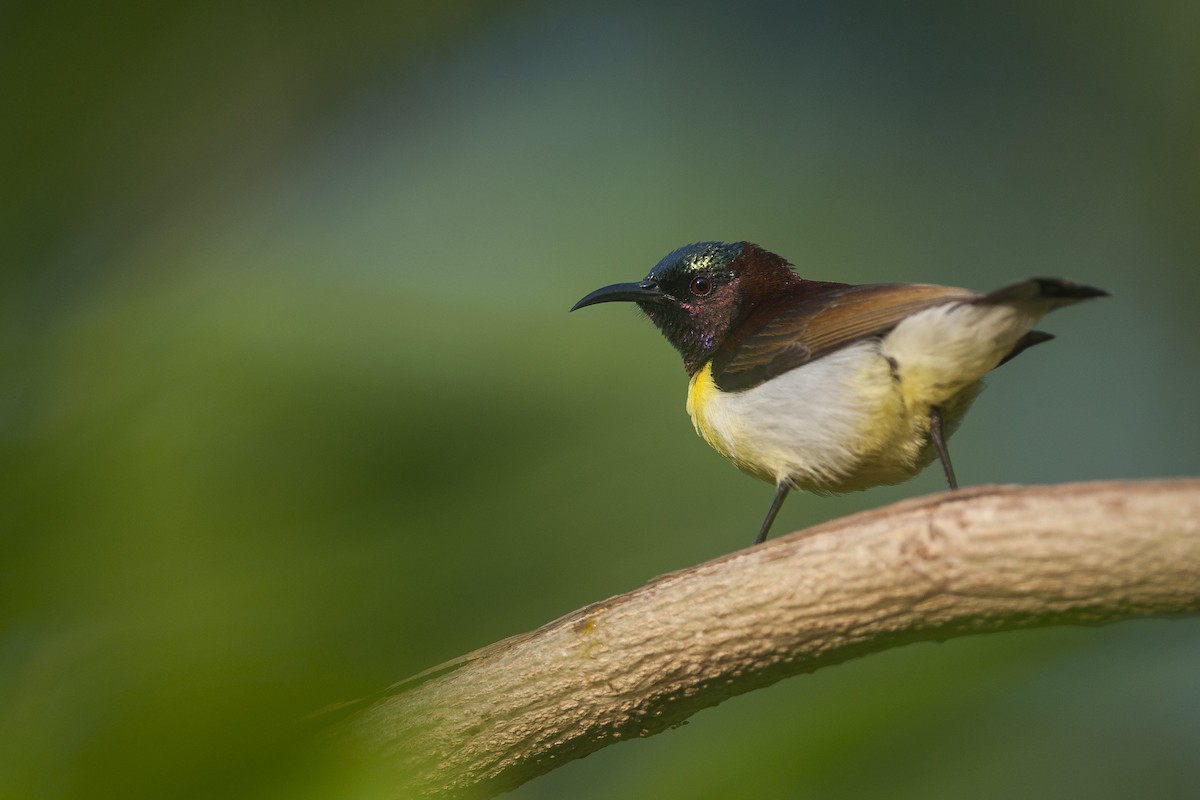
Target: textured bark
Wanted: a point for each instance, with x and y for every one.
(982, 559)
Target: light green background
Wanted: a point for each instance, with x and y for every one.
(292, 408)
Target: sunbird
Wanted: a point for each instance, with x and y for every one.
(830, 387)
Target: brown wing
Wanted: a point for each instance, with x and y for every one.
(819, 325)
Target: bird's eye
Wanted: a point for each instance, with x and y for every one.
(701, 286)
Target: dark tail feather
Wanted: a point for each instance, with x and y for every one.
(1059, 291)
(1025, 342)
(1068, 290)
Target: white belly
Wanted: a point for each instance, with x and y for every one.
(836, 424)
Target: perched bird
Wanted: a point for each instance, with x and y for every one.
(830, 387)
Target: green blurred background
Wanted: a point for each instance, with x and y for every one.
(292, 408)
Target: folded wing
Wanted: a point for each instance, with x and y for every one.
(821, 324)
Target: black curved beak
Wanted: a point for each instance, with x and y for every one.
(646, 291)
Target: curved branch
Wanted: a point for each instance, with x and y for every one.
(983, 559)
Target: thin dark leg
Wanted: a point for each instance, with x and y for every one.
(781, 492)
(939, 444)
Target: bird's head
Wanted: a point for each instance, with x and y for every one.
(701, 293)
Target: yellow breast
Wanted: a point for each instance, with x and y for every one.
(722, 423)
(700, 392)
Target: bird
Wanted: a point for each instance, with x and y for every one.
(830, 387)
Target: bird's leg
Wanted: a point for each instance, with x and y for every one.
(781, 492)
(939, 444)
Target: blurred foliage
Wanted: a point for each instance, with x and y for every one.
(291, 406)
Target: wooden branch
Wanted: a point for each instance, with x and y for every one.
(983, 559)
